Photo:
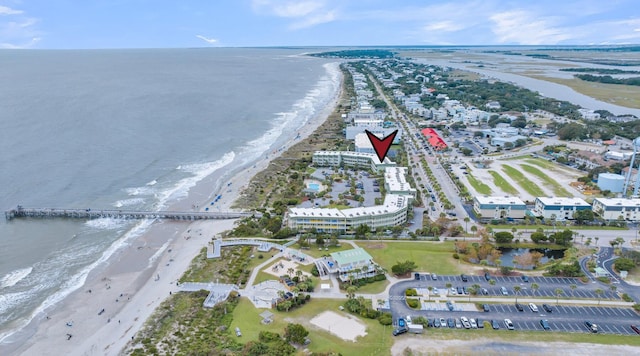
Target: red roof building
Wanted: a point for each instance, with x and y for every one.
(434, 139)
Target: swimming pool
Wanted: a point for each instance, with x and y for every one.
(313, 186)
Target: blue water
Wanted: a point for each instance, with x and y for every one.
(313, 186)
(134, 129)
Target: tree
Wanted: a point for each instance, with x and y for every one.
(430, 288)
(516, 290)
(466, 221)
(582, 216)
(466, 151)
(362, 230)
(538, 237)
(534, 287)
(492, 282)
(573, 287)
(559, 292)
(351, 292)
(474, 229)
(401, 268)
(295, 333)
(599, 292)
(624, 264)
(596, 238)
(613, 289)
(503, 237)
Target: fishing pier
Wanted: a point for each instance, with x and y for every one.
(21, 212)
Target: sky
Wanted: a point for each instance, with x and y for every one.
(61, 24)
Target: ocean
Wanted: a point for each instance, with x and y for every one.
(130, 129)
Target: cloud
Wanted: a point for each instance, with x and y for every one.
(17, 30)
(445, 26)
(522, 27)
(4, 10)
(208, 40)
(304, 14)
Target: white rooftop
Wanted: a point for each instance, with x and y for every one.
(619, 201)
(563, 201)
(362, 141)
(502, 200)
(392, 202)
(396, 180)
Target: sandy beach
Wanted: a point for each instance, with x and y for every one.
(138, 277)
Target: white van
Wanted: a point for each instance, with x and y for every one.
(533, 307)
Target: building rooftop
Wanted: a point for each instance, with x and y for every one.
(392, 202)
(564, 201)
(618, 201)
(501, 200)
(396, 180)
(350, 256)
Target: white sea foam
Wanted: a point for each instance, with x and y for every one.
(140, 191)
(199, 171)
(13, 277)
(106, 223)
(128, 202)
(152, 183)
(302, 111)
(77, 280)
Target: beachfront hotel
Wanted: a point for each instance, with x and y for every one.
(329, 220)
(499, 207)
(392, 212)
(617, 208)
(351, 159)
(559, 207)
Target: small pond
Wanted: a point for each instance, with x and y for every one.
(547, 254)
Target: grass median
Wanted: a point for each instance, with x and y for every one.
(558, 190)
(524, 182)
(502, 183)
(480, 187)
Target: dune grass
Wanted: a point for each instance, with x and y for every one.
(526, 184)
(502, 183)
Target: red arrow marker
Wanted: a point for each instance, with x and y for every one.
(381, 146)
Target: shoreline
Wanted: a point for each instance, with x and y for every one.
(125, 286)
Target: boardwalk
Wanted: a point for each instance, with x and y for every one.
(21, 212)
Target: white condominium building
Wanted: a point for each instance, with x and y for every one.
(499, 207)
(350, 159)
(617, 208)
(559, 207)
(393, 212)
(395, 181)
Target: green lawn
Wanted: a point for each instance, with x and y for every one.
(542, 163)
(315, 253)
(263, 276)
(558, 190)
(378, 340)
(480, 187)
(523, 181)
(374, 288)
(434, 257)
(501, 183)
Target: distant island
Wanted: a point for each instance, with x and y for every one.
(356, 53)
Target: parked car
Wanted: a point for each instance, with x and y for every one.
(508, 324)
(519, 307)
(504, 290)
(434, 276)
(453, 291)
(487, 276)
(533, 307)
(525, 279)
(458, 323)
(636, 329)
(460, 291)
(449, 305)
(399, 331)
(495, 325)
(480, 323)
(485, 291)
(436, 323)
(417, 276)
(464, 278)
(465, 322)
(547, 308)
(473, 323)
(485, 308)
(451, 323)
(443, 323)
(545, 324)
(591, 326)
(465, 291)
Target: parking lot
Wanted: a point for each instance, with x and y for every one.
(546, 286)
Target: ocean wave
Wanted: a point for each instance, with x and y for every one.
(75, 282)
(152, 183)
(13, 277)
(106, 223)
(128, 202)
(198, 172)
(140, 191)
(301, 112)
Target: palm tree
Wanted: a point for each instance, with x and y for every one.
(534, 287)
(466, 221)
(492, 282)
(476, 287)
(573, 287)
(351, 292)
(596, 238)
(516, 290)
(474, 229)
(430, 288)
(299, 275)
(448, 285)
(613, 289)
(558, 291)
(290, 271)
(599, 292)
